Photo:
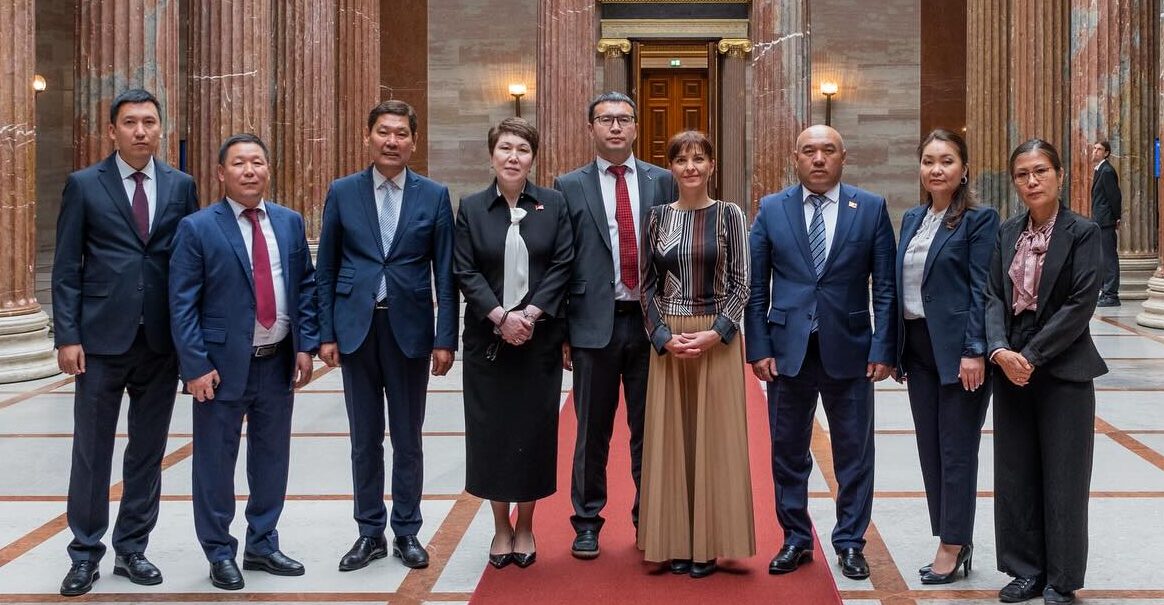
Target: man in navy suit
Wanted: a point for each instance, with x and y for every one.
(387, 239)
(1106, 211)
(245, 326)
(816, 247)
(112, 330)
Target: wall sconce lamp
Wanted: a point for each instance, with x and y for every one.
(517, 89)
(828, 89)
(39, 84)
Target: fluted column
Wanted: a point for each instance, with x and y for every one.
(1153, 313)
(614, 68)
(358, 58)
(1113, 98)
(305, 107)
(231, 80)
(780, 90)
(567, 32)
(123, 44)
(988, 100)
(25, 349)
(733, 164)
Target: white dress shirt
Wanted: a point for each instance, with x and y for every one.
(913, 264)
(148, 183)
(828, 209)
(609, 201)
(282, 325)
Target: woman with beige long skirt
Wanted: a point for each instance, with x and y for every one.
(696, 502)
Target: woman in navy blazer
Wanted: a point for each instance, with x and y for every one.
(943, 263)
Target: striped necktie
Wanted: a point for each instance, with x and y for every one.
(816, 234)
(389, 214)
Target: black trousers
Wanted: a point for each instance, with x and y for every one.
(151, 380)
(947, 421)
(848, 404)
(597, 377)
(1044, 435)
(1111, 262)
(376, 372)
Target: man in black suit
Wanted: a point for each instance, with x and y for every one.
(1106, 210)
(608, 200)
(112, 329)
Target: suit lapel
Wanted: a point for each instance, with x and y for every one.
(941, 236)
(162, 195)
(646, 190)
(846, 211)
(409, 205)
(1007, 241)
(1056, 255)
(592, 190)
(285, 239)
(229, 225)
(110, 179)
(909, 224)
(794, 211)
(367, 200)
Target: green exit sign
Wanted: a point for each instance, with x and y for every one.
(676, 62)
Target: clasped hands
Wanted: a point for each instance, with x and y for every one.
(1016, 367)
(515, 327)
(689, 345)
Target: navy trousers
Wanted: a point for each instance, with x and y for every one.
(376, 372)
(266, 403)
(848, 404)
(151, 380)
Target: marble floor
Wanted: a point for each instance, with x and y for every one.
(1127, 504)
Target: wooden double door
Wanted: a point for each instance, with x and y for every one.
(670, 101)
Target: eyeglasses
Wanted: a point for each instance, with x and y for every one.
(608, 121)
(1041, 174)
(491, 350)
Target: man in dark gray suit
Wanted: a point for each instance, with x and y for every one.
(1106, 209)
(608, 201)
(111, 322)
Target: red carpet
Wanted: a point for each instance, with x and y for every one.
(620, 575)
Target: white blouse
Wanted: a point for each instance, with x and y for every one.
(914, 263)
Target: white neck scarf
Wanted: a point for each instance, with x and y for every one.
(516, 283)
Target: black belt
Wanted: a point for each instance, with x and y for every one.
(627, 307)
(265, 351)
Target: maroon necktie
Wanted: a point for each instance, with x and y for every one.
(628, 254)
(261, 267)
(141, 207)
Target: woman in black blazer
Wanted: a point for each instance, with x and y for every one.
(512, 258)
(1044, 283)
(942, 265)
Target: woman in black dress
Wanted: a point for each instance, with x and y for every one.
(512, 259)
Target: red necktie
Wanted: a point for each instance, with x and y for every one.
(141, 207)
(628, 253)
(261, 267)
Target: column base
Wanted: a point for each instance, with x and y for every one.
(26, 351)
(1153, 314)
(1134, 276)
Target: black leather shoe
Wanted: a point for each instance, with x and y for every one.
(364, 551)
(921, 571)
(585, 544)
(525, 559)
(80, 578)
(702, 570)
(224, 574)
(680, 566)
(789, 559)
(276, 563)
(1106, 301)
(1052, 596)
(137, 568)
(409, 550)
(853, 564)
(501, 560)
(1022, 589)
(964, 560)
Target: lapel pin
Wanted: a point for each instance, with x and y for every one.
(852, 203)
(539, 206)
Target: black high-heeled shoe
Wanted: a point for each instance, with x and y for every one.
(525, 559)
(964, 560)
(501, 560)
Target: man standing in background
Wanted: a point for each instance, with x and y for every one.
(1106, 210)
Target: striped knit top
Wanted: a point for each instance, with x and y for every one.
(696, 264)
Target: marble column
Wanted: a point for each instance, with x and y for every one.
(733, 161)
(614, 67)
(26, 352)
(231, 81)
(1113, 98)
(123, 44)
(358, 85)
(304, 146)
(987, 100)
(1153, 314)
(567, 32)
(781, 81)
